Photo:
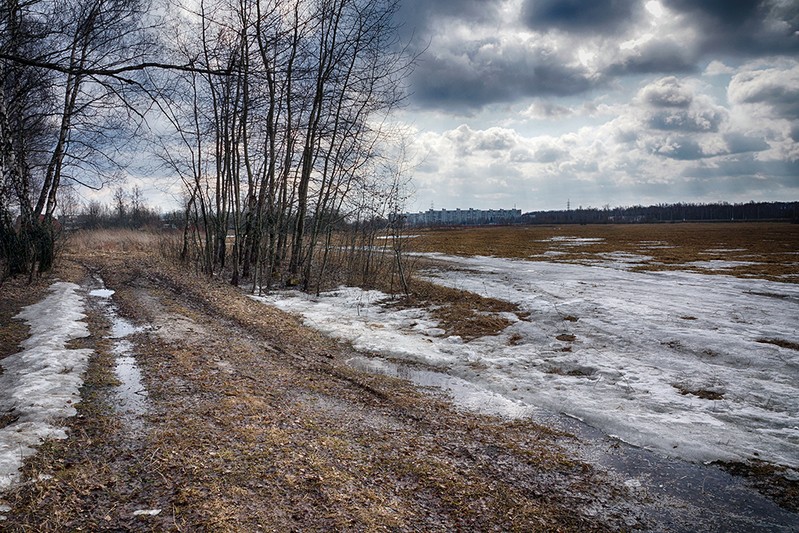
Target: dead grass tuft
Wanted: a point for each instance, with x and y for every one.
(705, 394)
(110, 241)
(462, 313)
(782, 343)
(15, 294)
(770, 480)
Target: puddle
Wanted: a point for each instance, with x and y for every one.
(130, 395)
(130, 392)
(120, 327)
(674, 495)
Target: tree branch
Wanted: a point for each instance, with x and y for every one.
(111, 72)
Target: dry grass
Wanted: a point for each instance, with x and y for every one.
(110, 241)
(256, 423)
(458, 312)
(16, 293)
(772, 248)
(704, 394)
(782, 343)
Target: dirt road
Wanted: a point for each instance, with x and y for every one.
(252, 422)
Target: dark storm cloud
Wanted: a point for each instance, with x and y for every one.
(743, 27)
(780, 172)
(465, 75)
(597, 16)
(781, 95)
(459, 72)
(656, 57)
(471, 80)
(727, 13)
(423, 17)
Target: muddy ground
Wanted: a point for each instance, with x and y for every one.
(255, 423)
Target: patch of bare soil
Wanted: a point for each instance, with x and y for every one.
(256, 424)
(782, 343)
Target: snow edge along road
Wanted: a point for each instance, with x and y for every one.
(41, 384)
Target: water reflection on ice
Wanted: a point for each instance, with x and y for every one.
(131, 395)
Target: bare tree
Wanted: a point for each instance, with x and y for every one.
(61, 59)
(273, 149)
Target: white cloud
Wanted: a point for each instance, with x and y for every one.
(672, 141)
(717, 68)
(774, 88)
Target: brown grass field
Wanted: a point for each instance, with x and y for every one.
(761, 250)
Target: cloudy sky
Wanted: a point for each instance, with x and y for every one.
(534, 103)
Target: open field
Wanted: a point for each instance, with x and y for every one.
(253, 421)
(750, 250)
(627, 328)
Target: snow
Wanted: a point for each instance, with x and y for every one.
(387, 237)
(670, 361)
(40, 385)
(719, 264)
(147, 512)
(574, 241)
(101, 293)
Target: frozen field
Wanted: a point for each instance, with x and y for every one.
(683, 363)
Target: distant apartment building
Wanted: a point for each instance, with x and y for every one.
(463, 217)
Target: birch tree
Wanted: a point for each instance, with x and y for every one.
(67, 67)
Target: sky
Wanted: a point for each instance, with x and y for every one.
(542, 103)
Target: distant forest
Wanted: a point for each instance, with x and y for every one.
(680, 212)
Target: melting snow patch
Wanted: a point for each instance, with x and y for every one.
(102, 293)
(722, 250)
(131, 394)
(40, 385)
(719, 265)
(615, 367)
(387, 237)
(624, 259)
(574, 241)
(147, 512)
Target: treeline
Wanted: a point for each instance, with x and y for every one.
(679, 212)
(127, 210)
(273, 113)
